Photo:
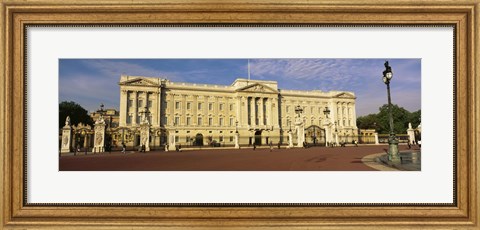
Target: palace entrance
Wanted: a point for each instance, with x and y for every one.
(258, 137)
(314, 135)
(198, 140)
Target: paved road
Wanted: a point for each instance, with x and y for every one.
(311, 159)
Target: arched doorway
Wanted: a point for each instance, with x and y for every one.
(314, 135)
(258, 137)
(198, 140)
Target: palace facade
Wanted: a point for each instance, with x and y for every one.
(261, 113)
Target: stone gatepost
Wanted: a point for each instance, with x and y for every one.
(290, 139)
(376, 139)
(66, 136)
(145, 136)
(300, 131)
(171, 141)
(99, 138)
(237, 137)
(410, 133)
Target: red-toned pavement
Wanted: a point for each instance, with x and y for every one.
(245, 159)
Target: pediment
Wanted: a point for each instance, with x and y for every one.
(257, 88)
(345, 95)
(139, 82)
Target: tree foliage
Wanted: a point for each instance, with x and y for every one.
(76, 112)
(380, 120)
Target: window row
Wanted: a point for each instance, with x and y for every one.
(178, 105)
(140, 103)
(188, 121)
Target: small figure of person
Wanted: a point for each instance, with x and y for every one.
(124, 147)
(179, 148)
(409, 145)
(143, 148)
(356, 143)
(279, 145)
(254, 146)
(166, 148)
(271, 146)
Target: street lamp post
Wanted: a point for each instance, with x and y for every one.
(392, 139)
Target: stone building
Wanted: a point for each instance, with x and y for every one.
(111, 116)
(202, 114)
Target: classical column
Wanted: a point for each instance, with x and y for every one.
(155, 109)
(354, 116)
(183, 107)
(261, 114)
(268, 111)
(172, 109)
(123, 107)
(244, 108)
(238, 110)
(134, 108)
(253, 113)
(194, 110)
(275, 108)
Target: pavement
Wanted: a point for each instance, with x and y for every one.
(348, 158)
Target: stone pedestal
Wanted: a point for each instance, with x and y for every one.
(171, 142)
(237, 137)
(410, 133)
(66, 139)
(290, 139)
(300, 135)
(145, 136)
(376, 139)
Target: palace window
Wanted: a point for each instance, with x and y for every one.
(210, 121)
(343, 122)
(231, 138)
(210, 106)
(138, 119)
(140, 103)
(187, 139)
(177, 121)
(220, 121)
(311, 110)
(287, 108)
(189, 120)
(176, 139)
(189, 105)
(221, 138)
(177, 105)
(130, 102)
(129, 119)
(149, 104)
(231, 107)
(165, 120)
(221, 107)
(231, 121)
(199, 121)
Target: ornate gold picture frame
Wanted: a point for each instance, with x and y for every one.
(17, 213)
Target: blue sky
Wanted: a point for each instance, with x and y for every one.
(90, 82)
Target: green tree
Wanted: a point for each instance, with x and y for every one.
(367, 122)
(381, 122)
(76, 112)
(415, 118)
